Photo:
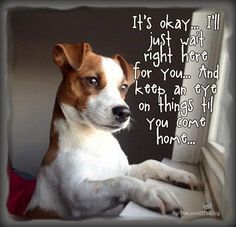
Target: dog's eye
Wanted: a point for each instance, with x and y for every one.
(124, 88)
(92, 81)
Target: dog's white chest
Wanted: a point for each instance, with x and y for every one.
(88, 155)
(107, 161)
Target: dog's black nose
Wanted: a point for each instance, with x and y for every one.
(121, 113)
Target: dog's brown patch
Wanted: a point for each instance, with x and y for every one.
(127, 69)
(39, 213)
(128, 72)
(70, 56)
(51, 154)
(75, 90)
(52, 151)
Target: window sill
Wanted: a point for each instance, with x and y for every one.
(217, 152)
(192, 201)
(213, 176)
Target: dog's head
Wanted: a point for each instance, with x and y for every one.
(94, 87)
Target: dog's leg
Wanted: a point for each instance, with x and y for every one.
(95, 197)
(159, 171)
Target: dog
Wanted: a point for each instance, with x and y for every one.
(85, 172)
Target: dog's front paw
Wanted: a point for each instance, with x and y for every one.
(158, 200)
(185, 179)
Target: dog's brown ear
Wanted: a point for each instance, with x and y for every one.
(70, 56)
(127, 69)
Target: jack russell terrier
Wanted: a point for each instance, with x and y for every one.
(85, 172)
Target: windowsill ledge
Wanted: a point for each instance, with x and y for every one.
(191, 200)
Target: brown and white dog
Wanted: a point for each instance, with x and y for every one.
(85, 172)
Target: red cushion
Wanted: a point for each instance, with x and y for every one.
(20, 192)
